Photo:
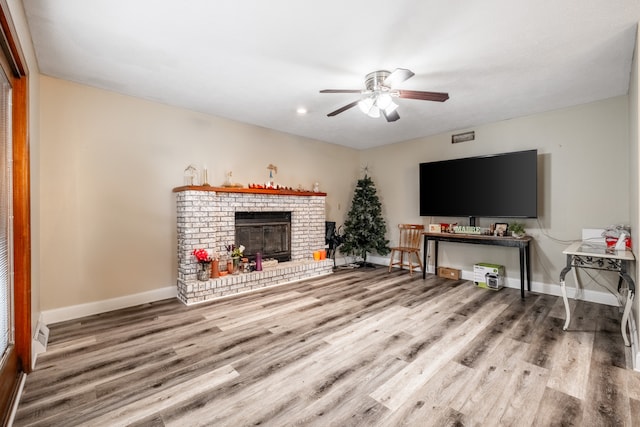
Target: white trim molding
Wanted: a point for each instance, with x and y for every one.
(76, 311)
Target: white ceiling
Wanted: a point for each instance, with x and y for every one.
(257, 61)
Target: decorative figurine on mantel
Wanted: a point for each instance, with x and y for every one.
(227, 180)
(191, 175)
(205, 177)
(271, 168)
(228, 183)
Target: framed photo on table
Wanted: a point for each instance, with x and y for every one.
(501, 229)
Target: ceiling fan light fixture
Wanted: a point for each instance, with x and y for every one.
(365, 104)
(368, 106)
(374, 112)
(377, 97)
(384, 101)
(391, 108)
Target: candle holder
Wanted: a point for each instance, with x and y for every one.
(205, 178)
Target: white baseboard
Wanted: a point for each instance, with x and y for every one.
(590, 295)
(543, 288)
(81, 310)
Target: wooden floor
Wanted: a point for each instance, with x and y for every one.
(359, 347)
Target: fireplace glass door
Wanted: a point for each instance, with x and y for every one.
(266, 232)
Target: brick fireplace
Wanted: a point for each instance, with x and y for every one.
(206, 218)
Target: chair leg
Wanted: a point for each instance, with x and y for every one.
(391, 260)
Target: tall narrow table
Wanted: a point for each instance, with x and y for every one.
(598, 257)
(522, 244)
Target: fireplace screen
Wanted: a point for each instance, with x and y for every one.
(266, 232)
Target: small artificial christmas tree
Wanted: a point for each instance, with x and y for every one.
(365, 228)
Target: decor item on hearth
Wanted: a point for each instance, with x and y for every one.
(365, 227)
(215, 268)
(517, 230)
(215, 265)
(236, 265)
(235, 253)
(191, 175)
(258, 261)
(269, 262)
(245, 265)
(204, 261)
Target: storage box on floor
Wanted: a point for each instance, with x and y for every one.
(449, 273)
(488, 276)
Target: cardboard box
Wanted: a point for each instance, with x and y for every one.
(488, 276)
(449, 273)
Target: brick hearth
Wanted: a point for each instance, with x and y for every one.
(206, 219)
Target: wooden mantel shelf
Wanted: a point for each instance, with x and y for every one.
(279, 192)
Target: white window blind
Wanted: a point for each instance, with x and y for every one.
(6, 287)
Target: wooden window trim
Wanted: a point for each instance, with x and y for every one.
(19, 360)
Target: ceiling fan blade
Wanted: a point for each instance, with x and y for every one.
(392, 116)
(424, 96)
(341, 109)
(398, 76)
(340, 91)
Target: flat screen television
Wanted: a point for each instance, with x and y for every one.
(495, 186)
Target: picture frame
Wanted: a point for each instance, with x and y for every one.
(501, 229)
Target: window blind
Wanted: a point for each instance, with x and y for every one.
(6, 304)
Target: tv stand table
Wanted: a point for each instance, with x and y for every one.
(521, 243)
(598, 257)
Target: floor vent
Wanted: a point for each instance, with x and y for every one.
(41, 338)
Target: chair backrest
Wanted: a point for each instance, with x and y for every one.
(410, 235)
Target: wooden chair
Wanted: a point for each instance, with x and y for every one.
(410, 238)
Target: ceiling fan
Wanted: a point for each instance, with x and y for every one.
(378, 96)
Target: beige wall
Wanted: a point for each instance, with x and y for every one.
(584, 180)
(109, 163)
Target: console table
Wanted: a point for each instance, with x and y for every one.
(598, 257)
(521, 243)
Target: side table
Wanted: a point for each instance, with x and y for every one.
(599, 257)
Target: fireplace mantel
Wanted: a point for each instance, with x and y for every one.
(279, 192)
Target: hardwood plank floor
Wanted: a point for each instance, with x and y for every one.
(356, 348)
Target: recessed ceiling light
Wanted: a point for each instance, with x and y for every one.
(301, 111)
